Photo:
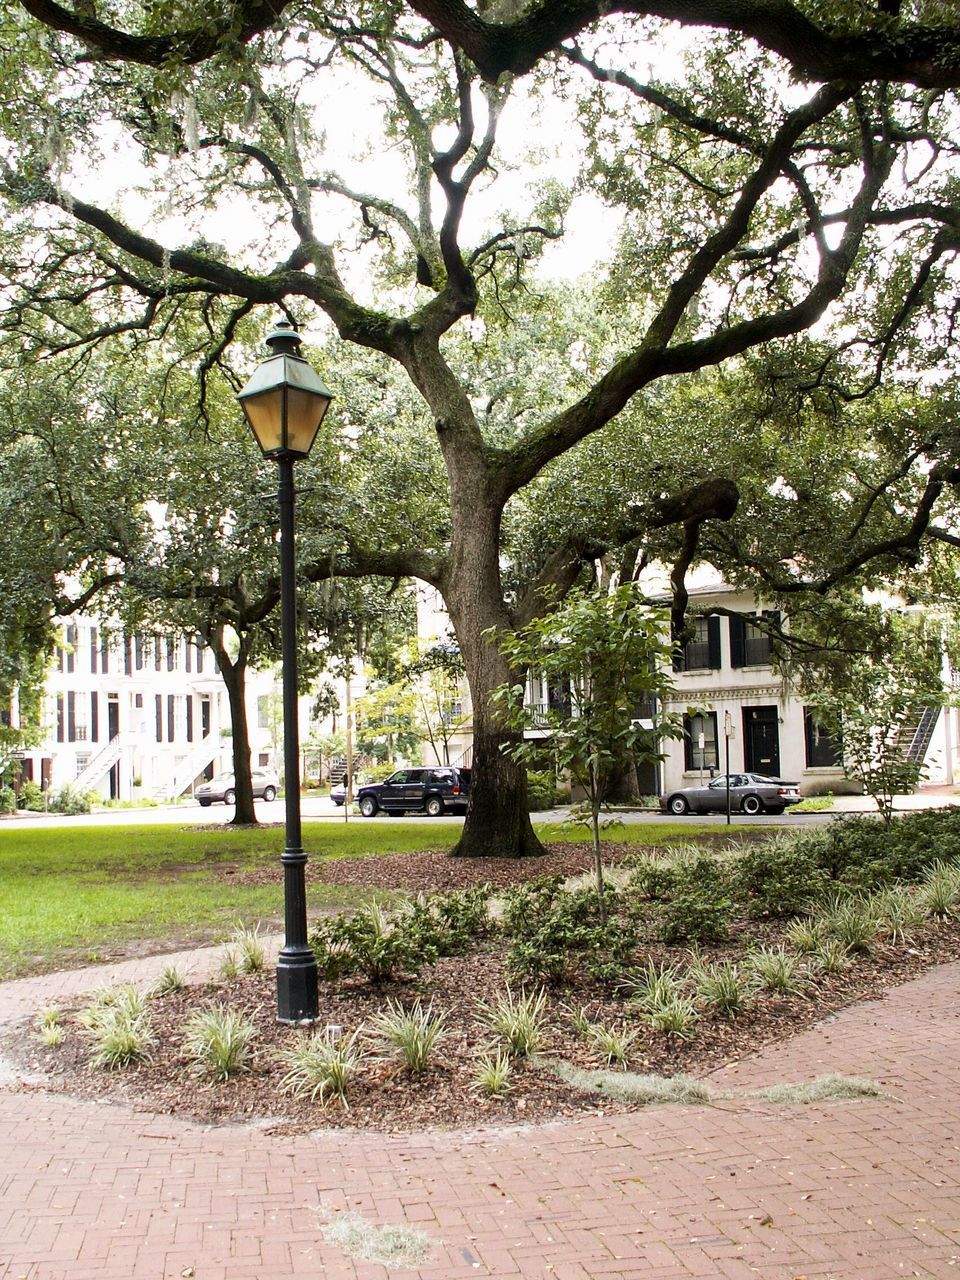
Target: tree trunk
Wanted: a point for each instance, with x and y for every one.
(233, 674)
(498, 817)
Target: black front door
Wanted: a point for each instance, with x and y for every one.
(761, 740)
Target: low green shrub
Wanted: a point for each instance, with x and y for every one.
(777, 878)
(863, 854)
(373, 942)
(700, 905)
(554, 933)
(450, 921)
(70, 801)
(541, 791)
(31, 796)
(8, 800)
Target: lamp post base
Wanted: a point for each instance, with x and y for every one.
(297, 998)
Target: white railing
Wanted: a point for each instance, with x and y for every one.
(187, 768)
(99, 763)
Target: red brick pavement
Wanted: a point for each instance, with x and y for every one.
(848, 1191)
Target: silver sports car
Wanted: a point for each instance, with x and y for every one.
(749, 793)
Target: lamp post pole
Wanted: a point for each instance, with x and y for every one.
(296, 965)
(285, 403)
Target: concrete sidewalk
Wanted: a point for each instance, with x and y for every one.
(854, 1191)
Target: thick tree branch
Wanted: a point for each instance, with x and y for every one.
(217, 25)
(928, 56)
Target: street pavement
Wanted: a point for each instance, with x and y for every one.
(322, 809)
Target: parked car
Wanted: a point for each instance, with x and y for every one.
(432, 791)
(223, 787)
(749, 793)
(338, 794)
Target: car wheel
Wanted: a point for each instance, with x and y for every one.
(752, 804)
(434, 806)
(229, 797)
(678, 805)
(368, 806)
(269, 793)
(205, 804)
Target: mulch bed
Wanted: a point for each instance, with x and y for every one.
(382, 1097)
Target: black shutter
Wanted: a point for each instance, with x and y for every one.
(94, 717)
(189, 715)
(94, 646)
(171, 718)
(61, 733)
(159, 707)
(738, 636)
(713, 641)
(71, 717)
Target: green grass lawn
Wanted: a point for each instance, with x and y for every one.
(79, 894)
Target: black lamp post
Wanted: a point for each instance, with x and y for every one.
(284, 403)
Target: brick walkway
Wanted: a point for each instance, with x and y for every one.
(853, 1191)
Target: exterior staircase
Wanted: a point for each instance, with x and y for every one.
(187, 769)
(100, 763)
(915, 738)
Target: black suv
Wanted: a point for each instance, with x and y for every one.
(430, 791)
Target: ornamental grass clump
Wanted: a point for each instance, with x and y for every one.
(832, 956)
(517, 1021)
(676, 1017)
(123, 1000)
(49, 1027)
(899, 913)
(117, 1026)
(493, 1075)
(776, 969)
(655, 985)
(119, 1040)
(249, 949)
(408, 1034)
(170, 981)
(320, 1067)
(613, 1043)
(722, 986)
(804, 935)
(218, 1042)
(851, 919)
(939, 895)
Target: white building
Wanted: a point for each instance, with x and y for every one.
(146, 715)
(738, 699)
(730, 696)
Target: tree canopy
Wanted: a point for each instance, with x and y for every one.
(779, 195)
